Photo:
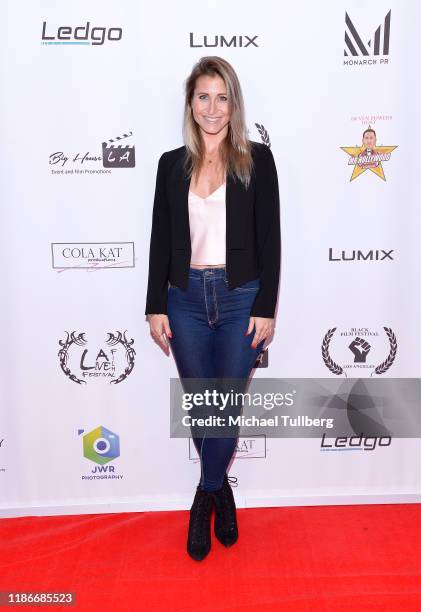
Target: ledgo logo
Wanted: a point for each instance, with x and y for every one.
(377, 45)
(355, 443)
(368, 347)
(81, 35)
(112, 360)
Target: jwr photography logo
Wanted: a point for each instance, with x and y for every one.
(358, 349)
(111, 361)
(376, 48)
(368, 156)
(101, 445)
(115, 154)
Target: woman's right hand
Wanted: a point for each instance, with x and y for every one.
(159, 327)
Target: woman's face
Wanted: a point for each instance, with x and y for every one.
(210, 104)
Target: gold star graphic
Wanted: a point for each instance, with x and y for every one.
(364, 159)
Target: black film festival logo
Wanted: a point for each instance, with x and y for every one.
(115, 154)
(355, 348)
(376, 46)
(113, 361)
(81, 35)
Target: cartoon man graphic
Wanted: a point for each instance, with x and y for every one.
(368, 156)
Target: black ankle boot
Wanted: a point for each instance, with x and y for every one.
(199, 537)
(225, 526)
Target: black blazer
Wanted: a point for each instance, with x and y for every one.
(253, 242)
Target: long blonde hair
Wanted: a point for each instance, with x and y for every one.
(235, 149)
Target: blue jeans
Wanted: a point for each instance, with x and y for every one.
(209, 322)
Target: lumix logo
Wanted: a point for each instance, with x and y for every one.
(92, 255)
(81, 35)
(355, 443)
(112, 361)
(354, 255)
(115, 155)
(363, 342)
(377, 45)
(218, 40)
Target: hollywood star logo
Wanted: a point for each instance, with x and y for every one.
(368, 156)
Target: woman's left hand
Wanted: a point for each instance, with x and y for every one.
(264, 328)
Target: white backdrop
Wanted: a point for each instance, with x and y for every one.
(76, 216)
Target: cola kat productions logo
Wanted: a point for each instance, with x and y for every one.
(114, 155)
(368, 156)
(111, 361)
(101, 446)
(359, 349)
(246, 448)
(92, 255)
(362, 51)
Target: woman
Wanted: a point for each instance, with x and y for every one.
(214, 266)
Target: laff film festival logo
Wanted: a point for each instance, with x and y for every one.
(112, 360)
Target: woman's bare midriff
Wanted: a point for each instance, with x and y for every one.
(199, 266)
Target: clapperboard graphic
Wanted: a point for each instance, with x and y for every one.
(116, 155)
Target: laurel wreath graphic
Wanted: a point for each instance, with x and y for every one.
(80, 340)
(335, 368)
(383, 367)
(263, 134)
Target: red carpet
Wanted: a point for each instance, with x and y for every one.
(362, 557)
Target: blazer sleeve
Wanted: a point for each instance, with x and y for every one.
(160, 247)
(268, 234)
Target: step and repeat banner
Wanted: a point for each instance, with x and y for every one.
(92, 96)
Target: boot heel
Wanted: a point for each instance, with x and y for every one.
(225, 525)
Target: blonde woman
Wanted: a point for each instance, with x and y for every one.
(214, 264)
